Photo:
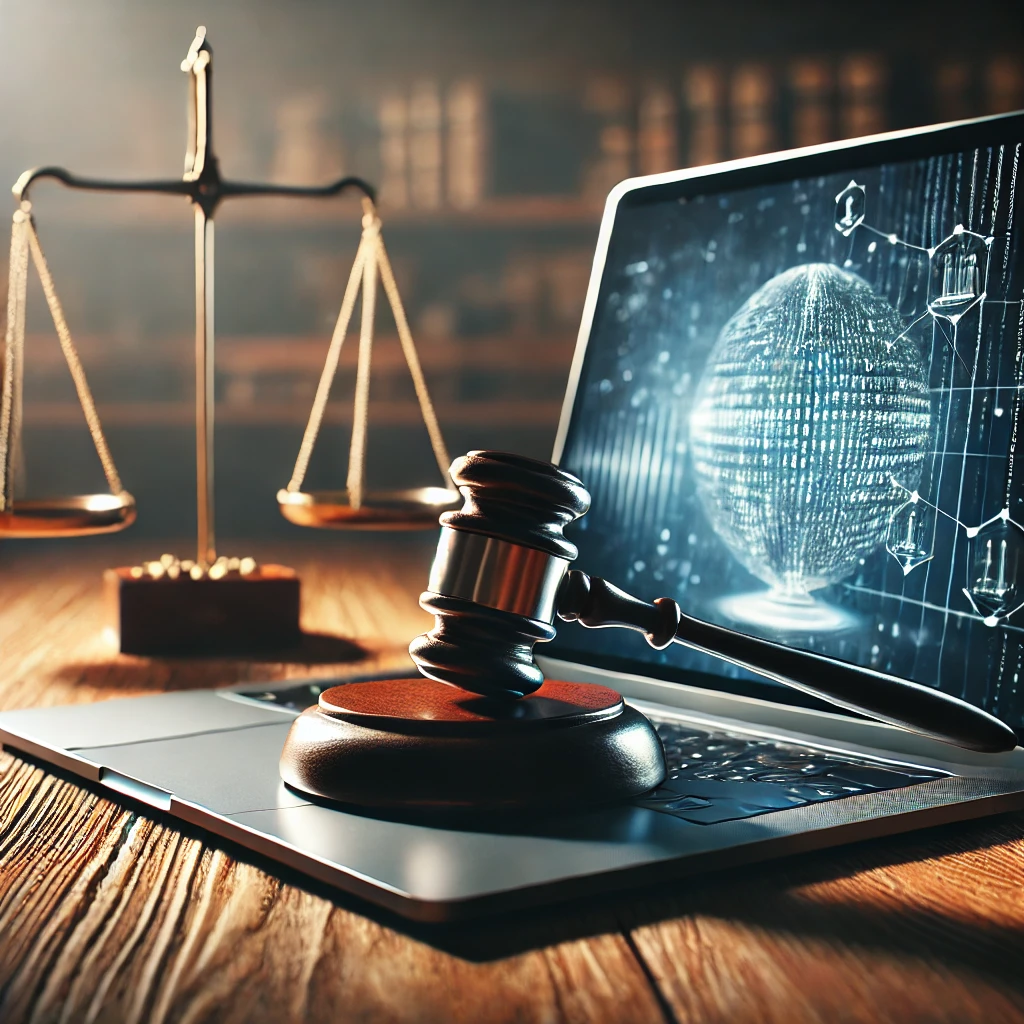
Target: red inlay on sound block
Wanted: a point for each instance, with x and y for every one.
(426, 700)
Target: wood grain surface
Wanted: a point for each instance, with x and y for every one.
(110, 915)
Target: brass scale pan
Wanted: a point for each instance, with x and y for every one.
(413, 509)
(70, 515)
(355, 508)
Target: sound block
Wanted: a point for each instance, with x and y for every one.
(417, 744)
(232, 615)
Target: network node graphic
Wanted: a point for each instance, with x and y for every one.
(910, 531)
(957, 266)
(995, 552)
(957, 282)
(851, 205)
(805, 412)
(957, 274)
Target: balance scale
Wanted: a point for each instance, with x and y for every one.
(210, 603)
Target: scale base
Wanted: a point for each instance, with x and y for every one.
(423, 746)
(183, 616)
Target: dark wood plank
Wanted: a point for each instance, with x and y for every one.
(925, 927)
(106, 915)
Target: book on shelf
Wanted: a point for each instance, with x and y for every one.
(1004, 84)
(425, 145)
(609, 103)
(811, 95)
(393, 112)
(862, 96)
(657, 137)
(703, 92)
(466, 114)
(752, 107)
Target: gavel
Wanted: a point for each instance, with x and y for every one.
(482, 729)
(501, 577)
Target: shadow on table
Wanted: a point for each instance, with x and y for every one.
(313, 649)
(201, 670)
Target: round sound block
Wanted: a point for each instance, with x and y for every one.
(420, 744)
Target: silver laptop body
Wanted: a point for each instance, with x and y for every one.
(752, 775)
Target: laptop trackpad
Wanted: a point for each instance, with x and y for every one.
(228, 772)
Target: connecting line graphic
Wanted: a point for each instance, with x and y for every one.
(958, 265)
(994, 550)
(951, 342)
(890, 238)
(889, 345)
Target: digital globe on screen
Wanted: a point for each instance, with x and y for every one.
(809, 426)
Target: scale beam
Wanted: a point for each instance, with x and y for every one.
(174, 187)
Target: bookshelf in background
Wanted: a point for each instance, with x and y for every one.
(468, 151)
(490, 149)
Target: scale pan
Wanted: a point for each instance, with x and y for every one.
(74, 516)
(414, 509)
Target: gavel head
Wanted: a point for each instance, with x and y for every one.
(500, 561)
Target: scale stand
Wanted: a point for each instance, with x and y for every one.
(168, 606)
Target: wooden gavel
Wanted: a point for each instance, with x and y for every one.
(501, 578)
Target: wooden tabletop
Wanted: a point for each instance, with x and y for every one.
(109, 915)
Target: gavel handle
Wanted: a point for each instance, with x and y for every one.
(595, 602)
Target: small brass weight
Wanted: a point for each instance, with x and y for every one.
(210, 603)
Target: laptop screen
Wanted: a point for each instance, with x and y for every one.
(799, 411)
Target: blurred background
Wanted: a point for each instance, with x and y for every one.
(494, 132)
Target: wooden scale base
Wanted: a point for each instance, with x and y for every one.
(417, 744)
(182, 616)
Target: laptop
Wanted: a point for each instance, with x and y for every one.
(796, 400)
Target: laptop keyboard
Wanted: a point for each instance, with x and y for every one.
(714, 775)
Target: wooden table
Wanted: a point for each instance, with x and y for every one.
(109, 915)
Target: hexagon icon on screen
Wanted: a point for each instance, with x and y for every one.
(957, 274)
(850, 206)
(995, 553)
(908, 537)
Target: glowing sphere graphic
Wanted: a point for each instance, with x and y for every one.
(808, 408)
